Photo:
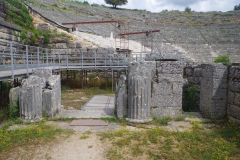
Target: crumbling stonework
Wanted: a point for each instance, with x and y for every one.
(213, 93)
(121, 97)
(44, 74)
(139, 91)
(233, 108)
(30, 99)
(167, 90)
(52, 96)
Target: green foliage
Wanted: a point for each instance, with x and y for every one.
(116, 3)
(13, 109)
(221, 142)
(223, 59)
(18, 14)
(188, 10)
(237, 7)
(40, 131)
(86, 3)
(95, 5)
(46, 36)
(24, 37)
(161, 121)
(191, 99)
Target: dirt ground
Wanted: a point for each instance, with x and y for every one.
(68, 148)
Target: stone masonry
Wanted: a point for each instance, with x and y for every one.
(213, 93)
(121, 97)
(39, 93)
(30, 99)
(167, 90)
(234, 93)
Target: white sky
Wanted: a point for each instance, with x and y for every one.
(159, 5)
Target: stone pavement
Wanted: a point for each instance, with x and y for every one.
(100, 106)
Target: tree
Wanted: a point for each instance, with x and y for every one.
(237, 7)
(116, 3)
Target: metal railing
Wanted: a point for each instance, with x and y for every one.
(15, 56)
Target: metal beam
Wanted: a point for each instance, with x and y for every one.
(143, 32)
(90, 22)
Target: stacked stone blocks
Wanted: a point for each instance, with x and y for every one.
(167, 90)
(234, 93)
(213, 92)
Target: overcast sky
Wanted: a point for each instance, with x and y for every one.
(196, 5)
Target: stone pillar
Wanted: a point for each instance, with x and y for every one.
(167, 89)
(30, 99)
(44, 74)
(233, 109)
(52, 96)
(121, 97)
(213, 92)
(139, 91)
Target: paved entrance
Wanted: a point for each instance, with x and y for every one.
(99, 106)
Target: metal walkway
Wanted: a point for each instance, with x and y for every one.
(18, 60)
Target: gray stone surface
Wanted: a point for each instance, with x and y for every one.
(234, 93)
(30, 99)
(213, 94)
(52, 96)
(44, 74)
(167, 90)
(121, 97)
(139, 92)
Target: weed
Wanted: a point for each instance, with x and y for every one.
(110, 119)
(191, 99)
(180, 118)
(38, 131)
(223, 59)
(161, 121)
(84, 137)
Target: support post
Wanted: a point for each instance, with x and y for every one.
(95, 59)
(38, 56)
(47, 55)
(112, 80)
(27, 58)
(11, 52)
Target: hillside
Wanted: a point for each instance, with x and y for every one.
(199, 36)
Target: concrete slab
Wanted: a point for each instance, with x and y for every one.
(99, 106)
(88, 122)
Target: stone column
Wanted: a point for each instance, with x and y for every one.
(167, 89)
(121, 97)
(30, 99)
(139, 91)
(213, 92)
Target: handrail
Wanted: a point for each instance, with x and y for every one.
(15, 56)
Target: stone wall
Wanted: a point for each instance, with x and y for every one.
(213, 92)
(167, 89)
(233, 108)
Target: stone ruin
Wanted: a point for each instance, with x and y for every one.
(157, 88)
(39, 94)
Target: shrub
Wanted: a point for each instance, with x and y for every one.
(191, 98)
(188, 10)
(223, 60)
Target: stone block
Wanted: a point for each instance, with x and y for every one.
(188, 71)
(166, 111)
(234, 111)
(30, 99)
(43, 74)
(230, 97)
(237, 99)
(61, 45)
(71, 44)
(197, 72)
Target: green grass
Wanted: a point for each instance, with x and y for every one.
(223, 59)
(221, 142)
(161, 121)
(84, 137)
(38, 132)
